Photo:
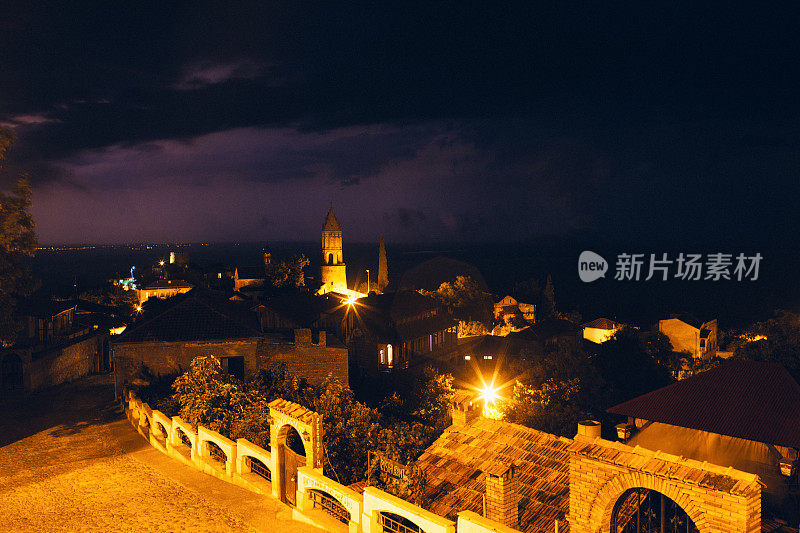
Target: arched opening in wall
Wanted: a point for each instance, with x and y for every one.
(641, 510)
(11, 374)
(330, 259)
(185, 440)
(329, 504)
(161, 432)
(258, 467)
(146, 425)
(394, 523)
(216, 453)
(291, 456)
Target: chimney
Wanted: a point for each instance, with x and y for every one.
(501, 501)
(302, 337)
(589, 428)
(464, 411)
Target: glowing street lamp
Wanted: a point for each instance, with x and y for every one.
(489, 394)
(161, 262)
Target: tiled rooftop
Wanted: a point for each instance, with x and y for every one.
(456, 467)
(196, 317)
(295, 410)
(702, 474)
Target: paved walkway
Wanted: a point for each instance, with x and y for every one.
(70, 461)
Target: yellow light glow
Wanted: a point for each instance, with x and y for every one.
(161, 262)
(489, 394)
(138, 308)
(350, 300)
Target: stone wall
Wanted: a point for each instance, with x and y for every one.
(63, 364)
(163, 358)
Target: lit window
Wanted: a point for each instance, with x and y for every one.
(383, 361)
(487, 356)
(390, 355)
(467, 357)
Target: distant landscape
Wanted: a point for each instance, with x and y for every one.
(502, 265)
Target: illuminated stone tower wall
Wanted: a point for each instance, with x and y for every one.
(333, 275)
(383, 269)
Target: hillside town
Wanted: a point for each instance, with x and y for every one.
(421, 401)
(399, 267)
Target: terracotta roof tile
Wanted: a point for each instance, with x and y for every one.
(467, 453)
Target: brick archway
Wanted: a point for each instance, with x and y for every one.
(603, 504)
(717, 499)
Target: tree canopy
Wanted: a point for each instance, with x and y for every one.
(205, 395)
(17, 246)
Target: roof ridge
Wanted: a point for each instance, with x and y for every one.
(225, 315)
(143, 324)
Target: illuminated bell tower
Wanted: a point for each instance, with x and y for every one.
(333, 276)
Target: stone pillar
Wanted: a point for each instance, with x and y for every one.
(501, 501)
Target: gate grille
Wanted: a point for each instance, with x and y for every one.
(330, 505)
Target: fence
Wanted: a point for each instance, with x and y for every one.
(319, 499)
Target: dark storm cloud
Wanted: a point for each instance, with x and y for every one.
(492, 121)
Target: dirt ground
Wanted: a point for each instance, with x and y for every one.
(70, 461)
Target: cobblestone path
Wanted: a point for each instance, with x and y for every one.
(69, 461)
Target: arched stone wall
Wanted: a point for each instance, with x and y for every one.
(377, 501)
(308, 425)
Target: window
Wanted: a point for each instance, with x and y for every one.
(467, 357)
(389, 355)
(487, 356)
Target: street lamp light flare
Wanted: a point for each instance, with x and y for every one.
(489, 394)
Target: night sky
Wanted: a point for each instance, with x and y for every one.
(431, 121)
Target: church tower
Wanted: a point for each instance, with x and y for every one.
(383, 269)
(333, 275)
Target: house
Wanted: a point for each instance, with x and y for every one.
(396, 331)
(743, 414)
(688, 334)
(485, 356)
(513, 478)
(511, 474)
(163, 289)
(53, 348)
(510, 305)
(549, 332)
(203, 323)
(600, 330)
(248, 276)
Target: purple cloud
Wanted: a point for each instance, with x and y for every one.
(202, 74)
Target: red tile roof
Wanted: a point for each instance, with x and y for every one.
(757, 401)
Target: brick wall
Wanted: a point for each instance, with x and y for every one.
(595, 486)
(305, 359)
